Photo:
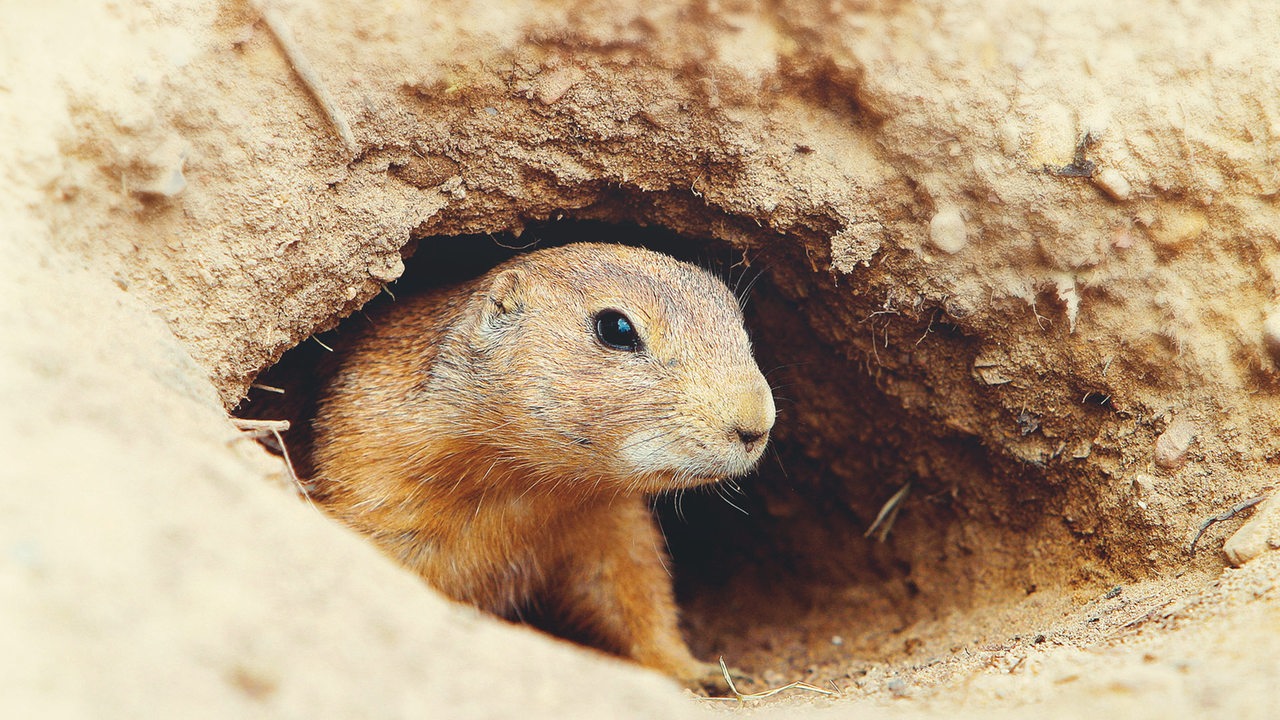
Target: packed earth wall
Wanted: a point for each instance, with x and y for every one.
(1014, 273)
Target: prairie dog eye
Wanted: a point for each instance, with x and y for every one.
(616, 331)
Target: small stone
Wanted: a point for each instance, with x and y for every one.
(161, 171)
(552, 86)
(1177, 228)
(391, 271)
(947, 231)
(1055, 134)
(988, 370)
(455, 187)
(1010, 136)
(167, 185)
(1144, 484)
(1172, 445)
(1260, 533)
(1111, 182)
(897, 687)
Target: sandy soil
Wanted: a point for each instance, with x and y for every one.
(1020, 259)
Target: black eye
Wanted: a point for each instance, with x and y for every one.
(616, 331)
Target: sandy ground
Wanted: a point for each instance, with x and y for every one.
(1067, 346)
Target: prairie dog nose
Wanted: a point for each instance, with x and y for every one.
(755, 415)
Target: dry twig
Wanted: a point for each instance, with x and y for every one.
(260, 428)
(251, 425)
(307, 74)
(1222, 517)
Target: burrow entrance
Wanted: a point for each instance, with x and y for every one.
(877, 529)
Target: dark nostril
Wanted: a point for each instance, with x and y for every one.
(749, 437)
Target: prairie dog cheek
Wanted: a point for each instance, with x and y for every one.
(652, 450)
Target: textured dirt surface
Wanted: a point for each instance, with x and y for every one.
(1020, 259)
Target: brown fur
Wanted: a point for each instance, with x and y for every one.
(486, 438)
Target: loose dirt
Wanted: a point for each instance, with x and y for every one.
(1015, 273)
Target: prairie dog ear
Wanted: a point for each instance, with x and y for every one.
(505, 298)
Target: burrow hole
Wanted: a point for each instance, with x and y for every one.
(782, 579)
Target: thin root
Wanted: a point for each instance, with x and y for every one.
(1222, 517)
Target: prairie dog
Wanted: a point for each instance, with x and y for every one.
(499, 436)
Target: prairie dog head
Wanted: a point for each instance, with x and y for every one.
(616, 366)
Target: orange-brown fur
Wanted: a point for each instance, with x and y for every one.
(485, 436)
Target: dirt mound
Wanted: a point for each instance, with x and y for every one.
(1015, 272)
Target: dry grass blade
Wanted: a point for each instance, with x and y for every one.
(288, 463)
(742, 697)
(888, 514)
(268, 425)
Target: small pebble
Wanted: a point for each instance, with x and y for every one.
(552, 86)
(160, 173)
(1111, 182)
(169, 184)
(1178, 228)
(1144, 484)
(454, 187)
(897, 686)
(1172, 445)
(1260, 532)
(1010, 136)
(947, 231)
(392, 271)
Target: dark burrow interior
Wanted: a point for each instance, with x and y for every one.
(785, 572)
